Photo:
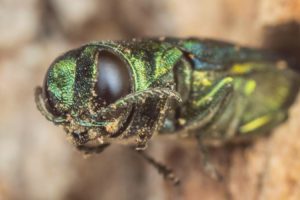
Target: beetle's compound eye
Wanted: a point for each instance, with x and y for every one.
(113, 77)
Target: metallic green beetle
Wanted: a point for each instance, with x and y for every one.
(129, 91)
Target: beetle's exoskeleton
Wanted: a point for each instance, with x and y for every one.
(128, 91)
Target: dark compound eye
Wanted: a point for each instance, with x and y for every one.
(113, 78)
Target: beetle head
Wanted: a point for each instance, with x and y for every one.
(109, 89)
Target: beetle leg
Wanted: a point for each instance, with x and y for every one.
(151, 116)
(162, 169)
(211, 104)
(209, 167)
(145, 135)
(92, 149)
(81, 139)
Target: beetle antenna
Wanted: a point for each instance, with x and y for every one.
(41, 107)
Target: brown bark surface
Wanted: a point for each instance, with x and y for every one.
(36, 161)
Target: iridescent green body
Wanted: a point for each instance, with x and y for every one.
(186, 87)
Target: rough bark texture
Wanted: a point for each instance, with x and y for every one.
(36, 161)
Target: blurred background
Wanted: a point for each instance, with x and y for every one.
(36, 161)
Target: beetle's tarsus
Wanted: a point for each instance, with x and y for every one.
(92, 149)
(208, 167)
(164, 170)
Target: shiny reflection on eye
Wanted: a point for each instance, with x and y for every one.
(113, 77)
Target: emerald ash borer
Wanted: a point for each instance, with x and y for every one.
(130, 91)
